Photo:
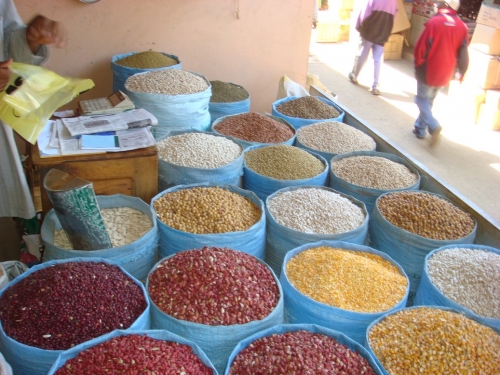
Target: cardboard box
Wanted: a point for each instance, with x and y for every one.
(489, 15)
(486, 39)
(492, 98)
(334, 31)
(393, 49)
(484, 70)
(467, 98)
(489, 117)
(401, 21)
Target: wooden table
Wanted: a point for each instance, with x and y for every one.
(133, 173)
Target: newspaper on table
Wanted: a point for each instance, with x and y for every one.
(135, 118)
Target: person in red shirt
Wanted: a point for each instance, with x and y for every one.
(440, 52)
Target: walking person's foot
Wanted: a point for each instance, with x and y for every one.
(375, 91)
(417, 134)
(352, 78)
(435, 135)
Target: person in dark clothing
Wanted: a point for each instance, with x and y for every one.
(440, 50)
(374, 23)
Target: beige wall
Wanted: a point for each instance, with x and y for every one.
(248, 42)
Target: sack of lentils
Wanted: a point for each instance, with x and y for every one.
(250, 129)
(191, 216)
(134, 352)
(59, 304)
(131, 225)
(300, 349)
(368, 174)
(177, 98)
(267, 169)
(191, 157)
(301, 111)
(215, 297)
(342, 286)
(127, 64)
(331, 138)
(465, 278)
(430, 340)
(227, 99)
(303, 214)
(408, 225)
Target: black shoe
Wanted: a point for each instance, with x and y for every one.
(418, 135)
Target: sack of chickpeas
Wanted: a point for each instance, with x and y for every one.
(177, 98)
(407, 225)
(194, 157)
(214, 297)
(303, 214)
(127, 64)
(341, 286)
(301, 111)
(300, 349)
(465, 278)
(366, 175)
(59, 304)
(192, 216)
(131, 225)
(132, 352)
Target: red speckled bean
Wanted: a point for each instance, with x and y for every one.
(135, 354)
(299, 352)
(214, 286)
(65, 304)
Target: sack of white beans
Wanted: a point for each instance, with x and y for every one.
(56, 305)
(464, 277)
(300, 349)
(177, 98)
(193, 157)
(366, 175)
(409, 224)
(132, 227)
(269, 168)
(302, 214)
(192, 216)
(132, 352)
(301, 111)
(122, 72)
(215, 297)
(341, 286)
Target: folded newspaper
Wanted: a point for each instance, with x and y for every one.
(135, 118)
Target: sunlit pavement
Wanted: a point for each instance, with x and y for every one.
(467, 157)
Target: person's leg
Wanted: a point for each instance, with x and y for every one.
(424, 101)
(378, 53)
(361, 57)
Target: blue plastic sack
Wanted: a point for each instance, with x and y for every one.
(297, 122)
(121, 73)
(283, 328)
(247, 144)
(368, 195)
(137, 257)
(367, 342)
(175, 112)
(221, 109)
(429, 294)
(153, 333)
(300, 309)
(29, 360)
(170, 175)
(216, 341)
(251, 241)
(407, 249)
(263, 186)
(280, 239)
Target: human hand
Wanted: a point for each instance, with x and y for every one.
(4, 73)
(42, 30)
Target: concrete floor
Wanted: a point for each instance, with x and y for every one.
(467, 157)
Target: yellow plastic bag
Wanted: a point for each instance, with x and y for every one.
(33, 94)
